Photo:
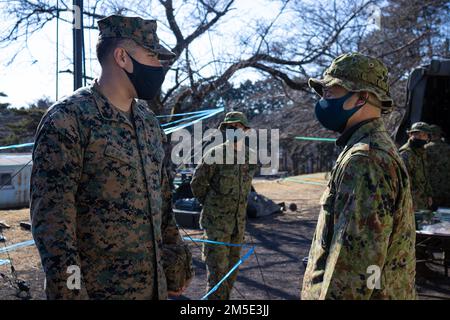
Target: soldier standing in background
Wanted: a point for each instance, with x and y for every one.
(223, 190)
(413, 154)
(100, 197)
(438, 167)
(364, 243)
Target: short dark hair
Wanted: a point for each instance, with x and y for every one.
(107, 45)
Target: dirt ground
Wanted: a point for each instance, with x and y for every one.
(281, 242)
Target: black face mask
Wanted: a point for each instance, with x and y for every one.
(237, 138)
(147, 80)
(417, 143)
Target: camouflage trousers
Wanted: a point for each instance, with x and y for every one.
(219, 260)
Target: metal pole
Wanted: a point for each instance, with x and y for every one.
(57, 50)
(77, 44)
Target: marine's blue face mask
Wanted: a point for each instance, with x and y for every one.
(331, 113)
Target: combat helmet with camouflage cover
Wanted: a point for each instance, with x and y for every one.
(420, 127)
(357, 72)
(234, 117)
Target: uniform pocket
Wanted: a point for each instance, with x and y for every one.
(121, 155)
(226, 184)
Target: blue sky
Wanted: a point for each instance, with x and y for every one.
(32, 74)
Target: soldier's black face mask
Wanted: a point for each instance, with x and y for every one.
(418, 143)
(147, 80)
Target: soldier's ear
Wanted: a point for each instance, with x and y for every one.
(363, 97)
(122, 59)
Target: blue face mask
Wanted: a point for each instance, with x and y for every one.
(331, 113)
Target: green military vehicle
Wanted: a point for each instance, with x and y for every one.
(428, 98)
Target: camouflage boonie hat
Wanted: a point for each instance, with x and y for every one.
(357, 72)
(420, 127)
(177, 265)
(143, 32)
(235, 117)
(435, 129)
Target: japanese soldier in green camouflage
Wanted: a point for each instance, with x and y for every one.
(100, 198)
(223, 187)
(413, 154)
(364, 243)
(438, 167)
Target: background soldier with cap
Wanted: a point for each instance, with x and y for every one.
(100, 199)
(413, 154)
(223, 190)
(366, 224)
(438, 167)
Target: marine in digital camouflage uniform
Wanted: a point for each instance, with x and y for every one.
(438, 167)
(366, 222)
(415, 158)
(223, 190)
(100, 198)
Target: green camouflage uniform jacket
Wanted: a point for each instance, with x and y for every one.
(415, 161)
(438, 163)
(366, 220)
(100, 199)
(223, 190)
